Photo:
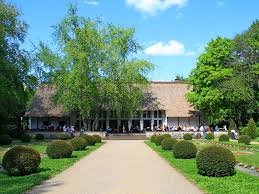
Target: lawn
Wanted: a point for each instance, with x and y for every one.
(48, 168)
(239, 183)
(234, 142)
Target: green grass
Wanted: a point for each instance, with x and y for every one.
(48, 168)
(239, 183)
(234, 142)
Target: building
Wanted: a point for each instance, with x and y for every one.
(169, 107)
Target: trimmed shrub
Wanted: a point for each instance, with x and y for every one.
(21, 160)
(59, 149)
(39, 137)
(64, 136)
(223, 137)
(168, 143)
(159, 139)
(97, 138)
(187, 136)
(78, 143)
(244, 139)
(210, 136)
(5, 140)
(251, 129)
(153, 138)
(184, 150)
(166, 136)
(215, 161)
(26, 138)
(90, 141)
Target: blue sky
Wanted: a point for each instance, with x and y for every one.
(172, 32)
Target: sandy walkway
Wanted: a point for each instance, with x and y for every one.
(119, 167)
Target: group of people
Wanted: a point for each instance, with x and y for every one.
(190, 128)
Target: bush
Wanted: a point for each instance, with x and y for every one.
(187, 136)
(26, 138)
(59, 149)
(78, 143)
(64, 136)
(21, 160)
(251, 129)
(210, 136)
(184, 150)
(39, 137)
(90, 141)
(166, 136)
(198, 136)
(5, 140)
(244, 139)
(215, 161)
(159, 139)
(153, 138)
(223, 137)
(97, 138)
(168, 143)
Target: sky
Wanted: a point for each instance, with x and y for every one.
(173, 33)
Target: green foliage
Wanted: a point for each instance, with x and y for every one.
(90, 140)
(184, 150)
(26, 138)
(244, 139)
(78, 143)
(223, 137)
(97, 138)
(21, 160)
(215, 161)
(210, 136)
(59, 149)
(64, 136)
(187, 136)
(251, 130)
(153, 138)
(158, 140)
(168, 143)
(39, 137)
(5, 140)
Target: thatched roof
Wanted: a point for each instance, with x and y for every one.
(42, 104)
(163, 95)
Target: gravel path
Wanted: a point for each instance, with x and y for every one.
(119, 167)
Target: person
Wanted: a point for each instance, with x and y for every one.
(82, 131)
(109, 129)
(123, 129)
(225, 127)
(216, 128)
(234, 134)
(65, 128)
(203, 129)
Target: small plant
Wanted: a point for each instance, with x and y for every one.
(198, 136)
(64, 136)
(59, 149)
(244, 139)
(223, 137)
(26, 138)
(153, 138)
(39, 137)
(168, 143)
(215, 161)
(5, 140)
(90, 141)
(78, 143)
(251, 129)
(97, 138)
(210, 136)
(21, 160)
(187, 136)
(184, 150)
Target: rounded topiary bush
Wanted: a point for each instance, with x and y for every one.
(78, 143)
(244, 139)
(223, 137)
(97, 138)
(64, 136)
(215, 161)
(153, 138)
(59, 149)
(5, 140)
(168, 143)
(184, 150)
(21, 160)
(26, 138)
(90, 141)
(187, 136)
(210, 136)
(159, 139)
(166, 136)
(39, 137)
(251, 130)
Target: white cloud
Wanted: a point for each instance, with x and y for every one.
(220, 3)
(91, 2)
(153, 6)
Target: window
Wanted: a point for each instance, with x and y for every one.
(160, 113)
(155, 114)
(144, 114)
(148, 114)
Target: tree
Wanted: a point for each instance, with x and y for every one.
(251, 129)
(16, 82)
(97, 70)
